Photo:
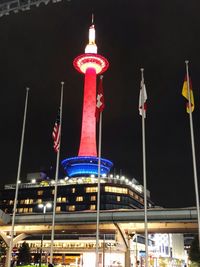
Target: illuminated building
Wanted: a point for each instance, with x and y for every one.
(90, 64)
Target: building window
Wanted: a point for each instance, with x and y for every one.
(40, 192)
(93, 198)
(118, 198)
(91, 189)
(53, 191)
(22, 201)
(72, 208)
(79, 198)
(64, 199)
(113, 189)
(11, 202)
(39, 201)
(28, 201)
(73, 190)
(58, 209)
(92, 207)
(20, 210)
(30, 210)
(59, 199)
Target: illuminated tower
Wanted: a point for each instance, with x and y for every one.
(90, 64)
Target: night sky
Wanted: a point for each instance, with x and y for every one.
(37, 50)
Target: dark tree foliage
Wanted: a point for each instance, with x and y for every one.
(194, 253)
(24, 256)
(2, 248)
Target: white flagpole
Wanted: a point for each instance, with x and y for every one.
(56, 177)
(98, 187)
(144, 172)
(17, 182)
(193, 151)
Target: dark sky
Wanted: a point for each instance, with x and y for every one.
(37, 50)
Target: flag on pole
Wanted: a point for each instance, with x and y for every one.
(100, 99)
(56, 133)
(143, 87)
(185, 94)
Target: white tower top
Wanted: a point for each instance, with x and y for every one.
(91, 46)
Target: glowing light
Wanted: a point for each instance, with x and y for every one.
(81, 166)
(33, 181)
(91, 47)
(99, 63)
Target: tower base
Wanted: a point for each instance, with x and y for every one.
(85, 165)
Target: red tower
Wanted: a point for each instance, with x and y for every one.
(90, 64)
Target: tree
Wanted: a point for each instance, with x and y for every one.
(24, 255)
(194, 253)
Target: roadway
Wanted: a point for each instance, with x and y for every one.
(160, 220)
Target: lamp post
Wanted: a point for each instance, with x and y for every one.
(44, 207)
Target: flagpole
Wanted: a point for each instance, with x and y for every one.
(193, 151)
(17, 181)
(98, 187)
(56, 177)
(144, 172)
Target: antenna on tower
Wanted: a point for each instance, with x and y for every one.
(92, 18)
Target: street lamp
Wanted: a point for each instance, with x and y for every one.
(44, 207)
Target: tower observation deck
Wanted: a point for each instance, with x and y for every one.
(90, 64)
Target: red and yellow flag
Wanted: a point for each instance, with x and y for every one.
(187, 93)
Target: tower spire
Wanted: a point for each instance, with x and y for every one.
(91, 47)
(92, 18)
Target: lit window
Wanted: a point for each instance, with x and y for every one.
(91, 189)
(22, 201)
(92, 207)
(11, 202)
(64, 199)
(59, 199)
(72, 208)
(118, 198)
(58, 209)
(28, 201)
(79, 198)
(73, 190)
(30, 210)
(52, 192)
(93, 198)
(39, 201)
(113, 189)
(40, 192)
(25, 210)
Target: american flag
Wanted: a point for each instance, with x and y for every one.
(56, 133)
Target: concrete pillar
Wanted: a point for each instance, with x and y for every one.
(127, 254)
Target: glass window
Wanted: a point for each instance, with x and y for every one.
(91, 189)
(73, 190)
(58, 209)
(59, 199)
(72, 208)
(118, 198)
(79, 198)
(93, 198)
(40, 192)
(39, 201)
(119, 190)
(92, 207)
